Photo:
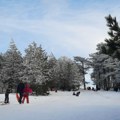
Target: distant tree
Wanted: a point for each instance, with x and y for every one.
(68, 74)
(53, 76)
(77, 76)
(64, 70)
(83, 66)
(100, 70)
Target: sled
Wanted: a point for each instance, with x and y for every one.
(17, 97)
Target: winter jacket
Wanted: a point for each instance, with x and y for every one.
(7, 91)
(20, 88)
(27, 90)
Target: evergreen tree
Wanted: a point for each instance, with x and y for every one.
(12, 66)
(63, 73)
(77, 76)
(113, 42)
(100, 70)
(83, 66)
(53, 77)
(105, 67)
(68, 74)
(105, 71)
(36, 64)
(2, 86)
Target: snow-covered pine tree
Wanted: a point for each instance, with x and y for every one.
(105, 71)
(113, 42)
(53, 76)
(12, 69)
(83, 66)
(68, 74)
(77, 77)
(2, 86)
(36, 64)
(116, 75)
(110, 48)
(99, 70)
(61, 73)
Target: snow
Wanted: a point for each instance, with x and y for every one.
(90, 105)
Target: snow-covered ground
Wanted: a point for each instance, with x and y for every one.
(90, 105)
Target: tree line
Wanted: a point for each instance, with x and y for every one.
(41, 71)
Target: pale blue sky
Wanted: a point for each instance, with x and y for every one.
(63, 27)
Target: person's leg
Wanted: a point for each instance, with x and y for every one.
(27, 98)
(5, 99)
(23, 99)
(20, 100)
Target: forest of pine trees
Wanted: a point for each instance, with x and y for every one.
(44, 72)
(41, 71)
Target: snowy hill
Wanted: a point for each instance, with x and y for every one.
(90, 105)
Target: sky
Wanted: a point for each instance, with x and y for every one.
(63, 27)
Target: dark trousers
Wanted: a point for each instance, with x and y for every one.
(6, 98)
(20, 99)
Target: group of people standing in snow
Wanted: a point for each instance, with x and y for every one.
(22, 93)
(23, 90)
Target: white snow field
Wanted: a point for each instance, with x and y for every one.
(90, 105)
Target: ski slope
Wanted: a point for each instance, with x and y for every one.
(90, 105)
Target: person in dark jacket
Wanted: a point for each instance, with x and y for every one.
(20, 91)
(7, 92)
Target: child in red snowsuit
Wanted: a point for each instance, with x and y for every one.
(26, 92)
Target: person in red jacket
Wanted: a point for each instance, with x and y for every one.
(26, 92)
